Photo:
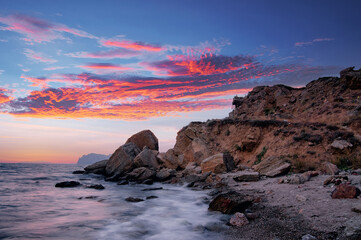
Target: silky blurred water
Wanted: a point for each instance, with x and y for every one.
(32, 208)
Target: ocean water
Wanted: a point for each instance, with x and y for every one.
(32, 208)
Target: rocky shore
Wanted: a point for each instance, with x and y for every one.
(285, 164)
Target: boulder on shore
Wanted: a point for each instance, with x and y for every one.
(345, 191)
(145, 138)
(97, 168)
(214, 164)
(231, 202)
(122, 159)
(146, 158)
(272, 167)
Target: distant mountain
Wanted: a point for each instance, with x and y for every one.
(91, 158)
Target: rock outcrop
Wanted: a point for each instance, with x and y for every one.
(277, 129)
(145, 138)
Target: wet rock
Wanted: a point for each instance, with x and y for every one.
(97, 168)
(141, 174)
(148, 182)
(122, 159)
(272, 167)
(151, 197)
(67, 184)
(214, 164)
(341, 144)
(192, 178)
(133, 199)
(230, 202)
(152, 189)
(144, 138)
(88, 197)
(79, 172)
(238, 220)
(308, 237)
(146, 158)
(96, 186)
(164, 174)
(345, 191)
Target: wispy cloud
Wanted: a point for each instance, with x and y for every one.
(111, 54)
(136, 46)
(105, 67)
(300, 44)
(54, 68)
(39, 30)
(38, 57)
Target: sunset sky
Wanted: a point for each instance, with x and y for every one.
(80, 77)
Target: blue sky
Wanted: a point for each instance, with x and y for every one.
(94, 72)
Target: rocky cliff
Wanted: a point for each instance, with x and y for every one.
(305, 127)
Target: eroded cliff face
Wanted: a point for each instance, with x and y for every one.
(305, 127)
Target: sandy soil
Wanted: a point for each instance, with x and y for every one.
(289, 211)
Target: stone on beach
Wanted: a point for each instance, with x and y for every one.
(345, 191)
(97, 168)
(214, 164)
(238, 220)
(231, 202)
(67, 184)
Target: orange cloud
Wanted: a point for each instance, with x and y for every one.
(3, 97)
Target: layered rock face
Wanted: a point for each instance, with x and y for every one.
(285, 127)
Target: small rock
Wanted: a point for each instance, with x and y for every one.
(132, 199)
(301, 198)
(148, 182)
(238, 220)
(151, 197)
(356, 209)
(251, 215)
(96, 186)
(79, 172)
(67, 184)
(308, 237)
(340, 144)
(329, 168)
(345, 191)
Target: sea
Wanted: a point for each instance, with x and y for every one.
(31, 207)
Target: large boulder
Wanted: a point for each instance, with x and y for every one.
(145, 138)
(169, 159)
(122, 159)
(214, 164)
(97, 168)
(231, 202)
(146, 158)
(272, 167)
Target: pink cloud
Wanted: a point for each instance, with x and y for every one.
(38, 57)
(136, 46)
(39, 30)
(100, 67)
